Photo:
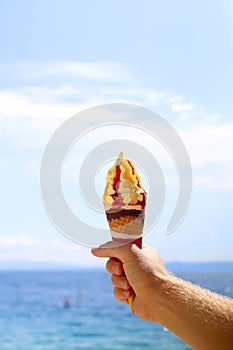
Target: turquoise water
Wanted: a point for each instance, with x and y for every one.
(76, 310)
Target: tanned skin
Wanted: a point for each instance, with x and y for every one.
(202, 319)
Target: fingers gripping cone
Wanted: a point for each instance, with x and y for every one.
(126, 228)
(124, 200)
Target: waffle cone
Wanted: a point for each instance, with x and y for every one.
(126, 225)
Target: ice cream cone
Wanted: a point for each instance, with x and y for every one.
(125, 225)
(125, 200)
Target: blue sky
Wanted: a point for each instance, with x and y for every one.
(60, 57)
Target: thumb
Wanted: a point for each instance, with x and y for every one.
(121, 251)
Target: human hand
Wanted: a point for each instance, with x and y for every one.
(139, 272)
(201, 318)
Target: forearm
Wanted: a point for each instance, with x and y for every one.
(201, 318)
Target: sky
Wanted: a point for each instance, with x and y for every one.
(58, 58)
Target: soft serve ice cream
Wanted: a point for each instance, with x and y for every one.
(124, 201)
(123, 187)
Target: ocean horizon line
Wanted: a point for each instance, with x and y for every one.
(14, 265)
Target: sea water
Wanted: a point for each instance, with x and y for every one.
(76, 310)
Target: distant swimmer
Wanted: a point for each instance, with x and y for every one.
(67, 303)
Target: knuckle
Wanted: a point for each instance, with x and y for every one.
(119, 294)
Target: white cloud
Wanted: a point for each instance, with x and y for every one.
(182, 107)
(59, 251)
(177, 99)
(222, 180)
(212, 118)
(209, 144)
(210, 148)
(30, 113)
(17, 241)
(17, 104)
(99, 71)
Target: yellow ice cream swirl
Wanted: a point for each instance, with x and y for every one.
(123, 187)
